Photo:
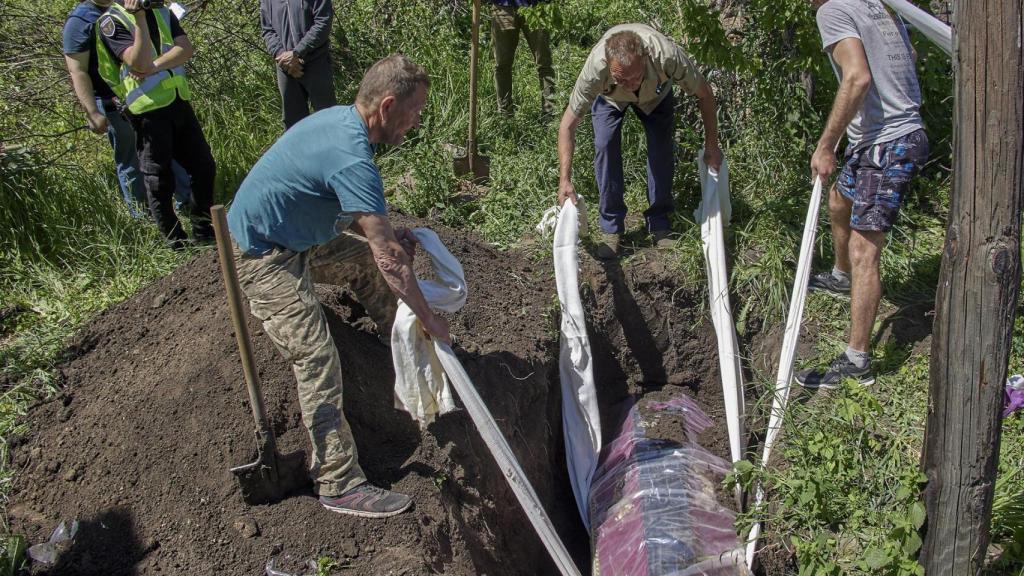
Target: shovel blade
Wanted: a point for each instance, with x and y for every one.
(271, 477)
(479, 168)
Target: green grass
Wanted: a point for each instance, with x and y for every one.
(68, 248)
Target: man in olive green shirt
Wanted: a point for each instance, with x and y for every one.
(634, 66)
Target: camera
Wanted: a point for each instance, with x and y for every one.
(152, 4)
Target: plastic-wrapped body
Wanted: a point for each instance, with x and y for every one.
(653, 504)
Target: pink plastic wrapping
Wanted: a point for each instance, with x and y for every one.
(653, 505)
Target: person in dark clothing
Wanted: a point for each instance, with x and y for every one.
(141, 55)
(297, 34)
(506, 25)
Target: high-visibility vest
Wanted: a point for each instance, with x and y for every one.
(154, 91)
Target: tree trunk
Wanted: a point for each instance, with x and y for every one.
(978, 286)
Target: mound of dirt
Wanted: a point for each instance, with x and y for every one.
(153, 413)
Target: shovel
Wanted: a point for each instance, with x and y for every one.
(468, 161)
(273, 475)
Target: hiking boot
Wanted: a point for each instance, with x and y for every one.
(827, 282)
(368, 501)
(609, 248)
(661, 240)
(840, 369)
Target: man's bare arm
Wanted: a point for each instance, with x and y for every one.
(566, 148)
(849, 56)
(178, 55)
(78, 69)
(395, 264)
(139, 56)
(709, 116)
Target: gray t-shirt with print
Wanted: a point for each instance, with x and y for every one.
(892, 105)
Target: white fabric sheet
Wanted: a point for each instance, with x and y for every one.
(549, 219)
(789, 341)
(724, 197)
(581, 419)
(713, 214)
(421, 387)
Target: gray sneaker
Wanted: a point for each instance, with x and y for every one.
(827, 282)
(840, 369)
(368, 501)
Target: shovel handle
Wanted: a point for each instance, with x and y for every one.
(472, 81)
(227, 268)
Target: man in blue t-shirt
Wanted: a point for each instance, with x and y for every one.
(312, 210)
(101, 107)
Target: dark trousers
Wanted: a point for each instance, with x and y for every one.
(659, 127)
(169, 134)
(315, 87)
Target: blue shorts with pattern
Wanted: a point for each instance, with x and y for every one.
(876, 178)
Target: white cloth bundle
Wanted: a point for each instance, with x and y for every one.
(421, 387)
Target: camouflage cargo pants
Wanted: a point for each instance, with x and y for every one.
(279, 286)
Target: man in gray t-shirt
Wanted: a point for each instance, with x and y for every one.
(891, 106)
(878, 104)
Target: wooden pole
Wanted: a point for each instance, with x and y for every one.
(978, 286)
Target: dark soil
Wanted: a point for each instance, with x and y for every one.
(153, 413)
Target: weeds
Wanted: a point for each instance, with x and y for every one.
(12, 555)
(325, 566)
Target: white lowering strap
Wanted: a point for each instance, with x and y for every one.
(789, 341)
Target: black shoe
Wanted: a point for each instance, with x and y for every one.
(840, 369)
(202, 231)
(827, 282)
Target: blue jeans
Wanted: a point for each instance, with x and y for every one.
(133, 190)
(658, 125)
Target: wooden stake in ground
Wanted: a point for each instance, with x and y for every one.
(978, 286)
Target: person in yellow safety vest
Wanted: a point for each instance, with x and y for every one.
(100, 105)
(141, 55)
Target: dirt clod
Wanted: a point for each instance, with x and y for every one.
(247, 527)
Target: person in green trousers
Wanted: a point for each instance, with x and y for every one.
(506, 24)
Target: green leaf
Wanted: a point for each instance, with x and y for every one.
(917, 515)
(912, 544)
(743, 466)
(877, 558)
